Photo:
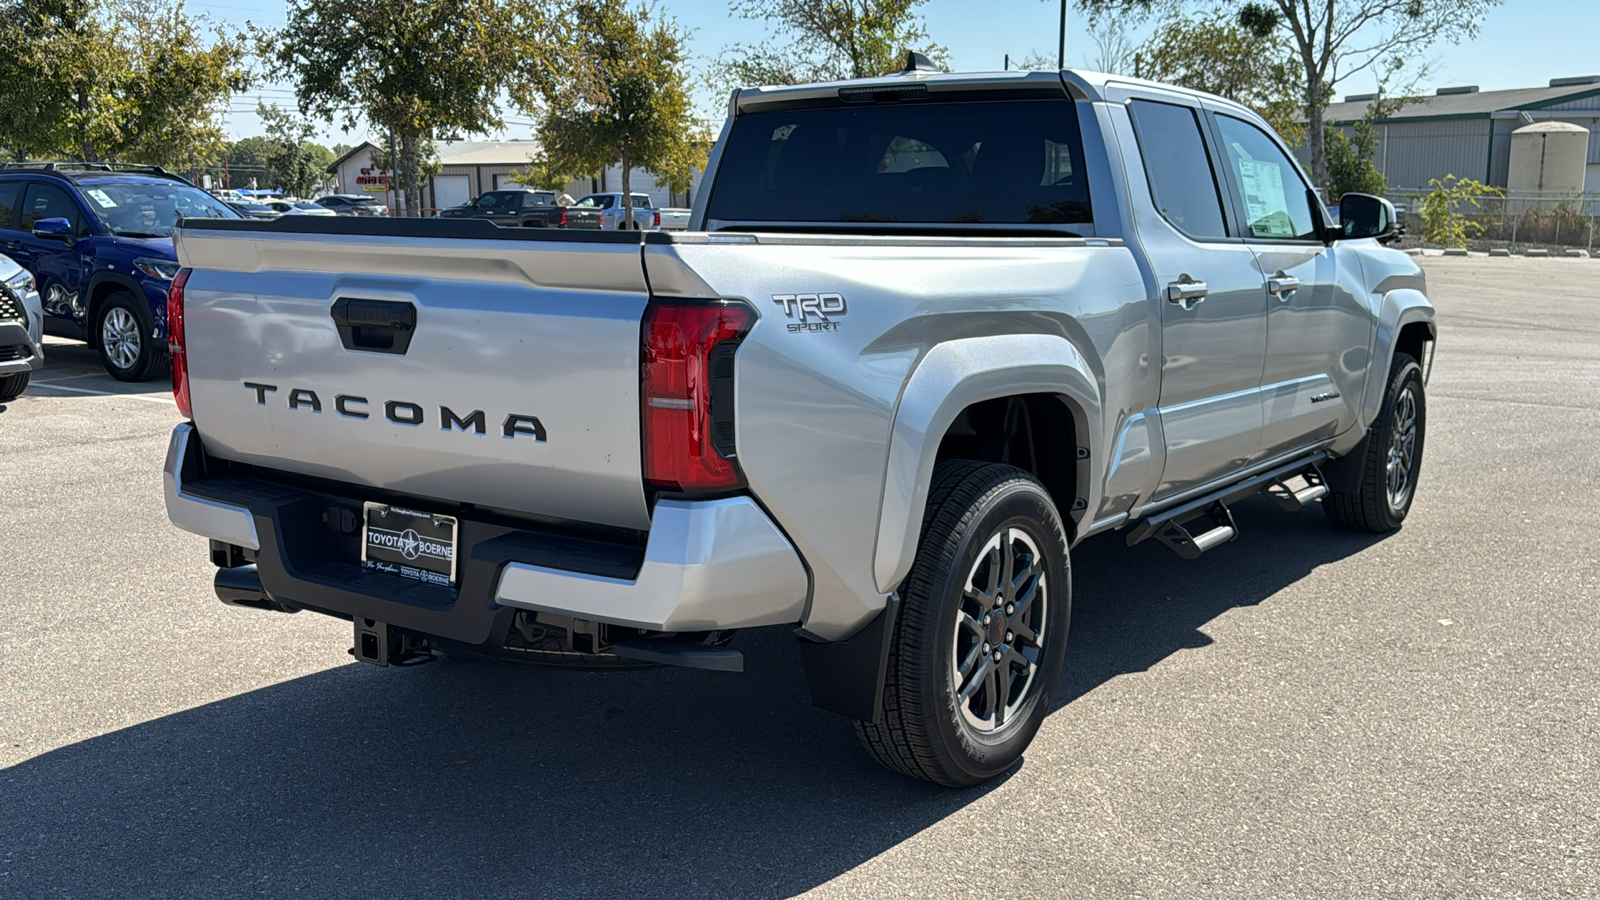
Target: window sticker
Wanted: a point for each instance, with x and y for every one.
(100, 197)
(1265, 206)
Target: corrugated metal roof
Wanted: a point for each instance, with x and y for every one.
(1480, 104)
(485, 153)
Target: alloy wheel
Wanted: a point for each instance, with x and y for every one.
(119, 335)
(999, 631)
(1399, 464)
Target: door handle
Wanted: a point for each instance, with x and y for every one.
(1282, 285)
(1186, 292)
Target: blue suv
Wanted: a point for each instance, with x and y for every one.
(98, 239)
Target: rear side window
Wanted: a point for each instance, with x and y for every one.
(981, 163)
(46, 201)
(9, 192)
(1182, 182)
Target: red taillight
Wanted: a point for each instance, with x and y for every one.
(563, 220)
(658, 218)
(176, 345)
(688, 393)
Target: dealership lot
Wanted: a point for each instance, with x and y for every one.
(1302, 713)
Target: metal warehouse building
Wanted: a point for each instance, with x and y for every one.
(1466, 132)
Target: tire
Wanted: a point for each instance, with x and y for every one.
(1367, 495)
(12, 386)
(122, 334)
(975, 512)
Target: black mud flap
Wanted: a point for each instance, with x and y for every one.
(846, 677)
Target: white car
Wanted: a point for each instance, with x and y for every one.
(21, 329)
(299, 208)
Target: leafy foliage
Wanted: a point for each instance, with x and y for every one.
(1335, 39)
(633, 108)
(1443, 210)
(294, 163)
(825, 40)
(1217, 54)
(1350, 165)
(411, 67)
(138, 80)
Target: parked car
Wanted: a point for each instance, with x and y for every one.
(645, 217)
(299, 208)
(21, 329)
(876, 406)
(674, 218)
(522, 207)
(98, 239)
(253, 210)
(353, 204)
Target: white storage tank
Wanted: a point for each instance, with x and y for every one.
(1547, 158)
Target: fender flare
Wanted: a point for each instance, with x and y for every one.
(1400, 307)
(92, 302)
(951, 377)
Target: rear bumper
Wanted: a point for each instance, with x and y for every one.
(709, 565)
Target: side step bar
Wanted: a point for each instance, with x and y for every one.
(1171, 526)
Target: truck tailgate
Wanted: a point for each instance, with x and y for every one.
(515, 387)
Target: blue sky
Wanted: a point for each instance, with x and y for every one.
(1521, 44)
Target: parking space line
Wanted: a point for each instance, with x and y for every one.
(78, 390)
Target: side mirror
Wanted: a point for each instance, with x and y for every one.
(54, 228)
(1366, 216)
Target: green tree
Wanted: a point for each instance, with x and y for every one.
(294, 163)
(825, 40)
(1350, 156)
(1214, 53)
(632, 109)
(412, 67)
(1334, 40)
(1444, 219)
(140, 80)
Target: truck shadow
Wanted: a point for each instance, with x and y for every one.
(478, 779)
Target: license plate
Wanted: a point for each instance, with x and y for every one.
(411, 544)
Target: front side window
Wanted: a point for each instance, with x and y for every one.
(1182, 182)
(1269, 186)
(46, 201)
(1016, 162)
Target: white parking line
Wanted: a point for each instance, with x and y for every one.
(78, 390)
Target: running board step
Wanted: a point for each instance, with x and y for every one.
(1292, 499)
(1189, 545)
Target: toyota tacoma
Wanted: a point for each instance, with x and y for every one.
(927, 333)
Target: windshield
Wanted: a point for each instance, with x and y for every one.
(990, 163)
(151, 210)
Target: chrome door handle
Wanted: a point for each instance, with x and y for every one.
(1282, 285)
(1186, 292)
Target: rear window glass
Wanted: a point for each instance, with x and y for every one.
(992, 163)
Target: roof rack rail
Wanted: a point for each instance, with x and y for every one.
(67, 165)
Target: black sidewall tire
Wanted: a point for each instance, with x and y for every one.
(1023, 505)
(12, 386)
(150, 357)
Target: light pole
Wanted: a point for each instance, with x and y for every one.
(1061, 49)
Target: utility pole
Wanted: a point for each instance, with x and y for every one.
(1061, 51)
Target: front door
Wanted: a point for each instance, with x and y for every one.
(1318, 325)
(1212, 302)
(56, 264)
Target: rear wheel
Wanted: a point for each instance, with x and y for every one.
(12, 386)
(122, 330)
(1377, 490)
(982, 630)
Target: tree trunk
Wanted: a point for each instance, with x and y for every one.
(87, 140)
(627, 192)
(1316, 105)
(410, 173)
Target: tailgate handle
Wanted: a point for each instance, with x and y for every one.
(376, 326)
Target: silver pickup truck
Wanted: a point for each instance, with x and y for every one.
(929, 332)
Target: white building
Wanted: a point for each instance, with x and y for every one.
(472, 167)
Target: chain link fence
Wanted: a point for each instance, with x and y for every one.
(1518, 222)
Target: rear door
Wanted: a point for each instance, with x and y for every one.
(1318, 324)
(1212, 301)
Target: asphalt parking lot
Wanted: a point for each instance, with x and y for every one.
(1301, 713)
